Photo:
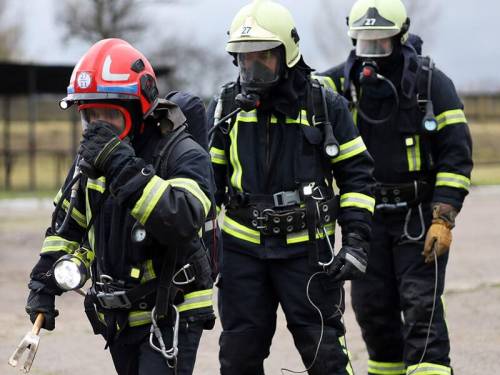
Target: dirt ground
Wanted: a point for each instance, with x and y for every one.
(472, 301)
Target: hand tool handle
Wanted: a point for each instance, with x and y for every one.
(37, 326)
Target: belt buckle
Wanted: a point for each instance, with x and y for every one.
(115, 300)
(263, 218)
(286, 198)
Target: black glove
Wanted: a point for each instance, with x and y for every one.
(103, 150)
(350, 262)
(39, 302)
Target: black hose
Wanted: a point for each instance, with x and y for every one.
(72, 201)
(394, 111)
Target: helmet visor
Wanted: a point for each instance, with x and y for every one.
(374, 48)
(260, 68)
(114, 115)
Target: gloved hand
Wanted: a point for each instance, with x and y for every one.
(39, 302)
(350, 262)
(102, 149)
(439, 236)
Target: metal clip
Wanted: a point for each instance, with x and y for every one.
(183, 272)
(263, 218)
(170, 355)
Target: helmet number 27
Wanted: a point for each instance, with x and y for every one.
(370, 22)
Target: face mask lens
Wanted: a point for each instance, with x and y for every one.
(259, 68)
(111, 116)
(374, 48)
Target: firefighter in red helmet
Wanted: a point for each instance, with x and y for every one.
(133, 220)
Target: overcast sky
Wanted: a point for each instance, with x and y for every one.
(465, 42)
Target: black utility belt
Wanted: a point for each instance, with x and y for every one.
(401, 196)
(271, 221)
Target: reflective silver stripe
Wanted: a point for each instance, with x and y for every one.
(196, 300)
(56, 243)
(350, 149)
(139, 318)
(386, 368)
(99, 184)
(357, 200)
(453, 180)
(356, 263)
(452, 117)
(240, 231)
(150, 196)
(210, 225)
(218, 156)
(426, 368)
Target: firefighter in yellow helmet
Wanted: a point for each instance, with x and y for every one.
(275, 156)
(412, 121)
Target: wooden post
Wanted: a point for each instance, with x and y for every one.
(32, 115)
(7, 155)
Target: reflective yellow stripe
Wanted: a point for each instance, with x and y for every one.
(150, 196)
(242, 232)
(247, 116)
(357, 200)
(413, 153)
(347, 353)
(56, 243)
(196, 300)
(452, 117)
(326, 81)
(302, 119)
(350, 149)
(99, 184)
(342, 80)
(234, 158)
(426, 368)
(75, 214)
(452, 180)
(88, 211)
(355, 116)
(386, 368)
(193, 187)
(218, 156)
(149, 272)
(139, 318)
(303, 235)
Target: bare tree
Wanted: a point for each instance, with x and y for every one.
(331, 28)
(92, 20)
(9, 34)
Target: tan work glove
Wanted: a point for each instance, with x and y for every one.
(439, 236)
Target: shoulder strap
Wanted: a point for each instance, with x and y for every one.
(316, 103)
(424, 84)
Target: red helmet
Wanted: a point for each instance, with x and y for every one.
(115, 73)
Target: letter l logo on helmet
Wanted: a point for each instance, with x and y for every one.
(108, 76)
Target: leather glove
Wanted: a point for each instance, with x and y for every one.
(103, 150)
(439, 236)
(39, 302)
(350, 262)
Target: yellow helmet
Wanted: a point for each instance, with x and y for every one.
(264, 25)
(378, 19)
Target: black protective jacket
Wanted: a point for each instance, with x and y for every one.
(403, 151)
(277, 148)
(172, 203)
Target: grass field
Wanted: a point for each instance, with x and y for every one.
(54, 144)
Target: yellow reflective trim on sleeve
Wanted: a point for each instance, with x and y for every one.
(452, 117)
(218, 156)
(192, 187)
(88, 211)
(326, 82)
(453, 180)
(357, 200)
(413, 154)
(234, 158)
(247, 116)
(355, 116)
(348, 366)
(303, 235)
(350, 149)
(302, 119)
(75, 214)
(99, 184)
(386, 368)
(242, 232)
(427, 368)
(150, 196)
(56, 243)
